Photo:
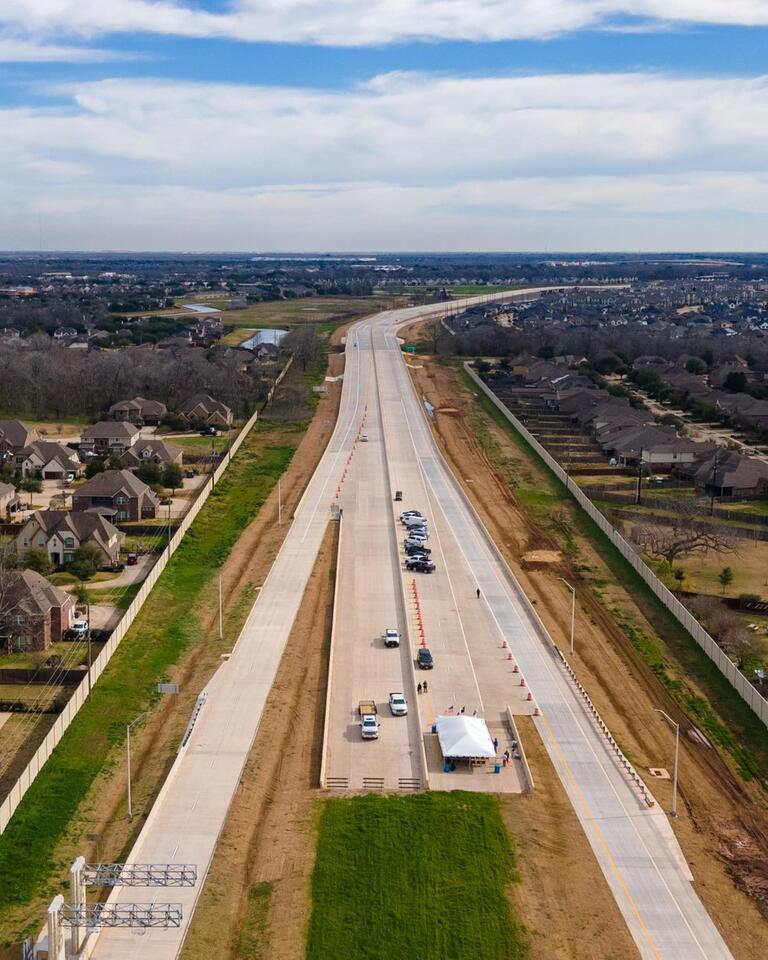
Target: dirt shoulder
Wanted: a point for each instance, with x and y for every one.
(723, 828)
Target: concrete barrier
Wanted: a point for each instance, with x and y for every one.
(329, 685)
(521, 751)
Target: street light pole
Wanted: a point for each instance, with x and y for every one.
(573, 609)
(676, 727)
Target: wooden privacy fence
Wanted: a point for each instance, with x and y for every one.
(727, 667)
(80, 694)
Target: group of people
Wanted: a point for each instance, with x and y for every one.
(422, 686)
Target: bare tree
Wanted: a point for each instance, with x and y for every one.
(683, 535)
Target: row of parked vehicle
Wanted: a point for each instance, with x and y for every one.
(417, 553)
(417, 558)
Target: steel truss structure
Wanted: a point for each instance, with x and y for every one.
(140, 874)
(100, 915)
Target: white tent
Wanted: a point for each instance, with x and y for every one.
(464, 737)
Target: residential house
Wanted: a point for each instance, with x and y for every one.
(109, 437)
(742, 410)
(627, 446)
(665, 454)
(204, 409)
(151, 451)
(726, 473)
(14, 436)
(61, 534)
(142, 412)
(10, 503)
(34, 614)
(49, 460)
(685, 384)
(64, 333)
(116, 494)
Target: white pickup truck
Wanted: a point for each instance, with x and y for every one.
(369, 722)
(391, 638)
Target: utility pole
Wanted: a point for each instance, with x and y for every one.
(639, 480)
(279, 502)
(573, 610)
(676, 728)
(714, 481)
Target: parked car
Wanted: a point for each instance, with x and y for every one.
(419, 532)
(415, 540)
(418, 565)
(80, 627)
(209, 432)
(418, 549)
(410, 513)
(398, 705)
(133, 559)
(363, 438)
(424, 659)
(391, 638)
(414, 522)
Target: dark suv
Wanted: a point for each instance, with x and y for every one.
(420, 551)
(424, 659)
(419, 565)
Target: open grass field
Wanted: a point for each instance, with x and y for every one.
(160, 635)
(381, 887)
(326, 312)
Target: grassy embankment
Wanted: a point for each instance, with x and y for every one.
(422, 876)
(674, 656)
(161, 633)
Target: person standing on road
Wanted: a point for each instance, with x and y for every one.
(418, 689)
(425, 686)
(495, 744)
(478, 593)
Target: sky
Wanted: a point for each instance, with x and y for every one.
(381, 125)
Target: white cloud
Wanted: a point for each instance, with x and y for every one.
(15, 49)
(403, 160)
(404, 127)
(350, 22)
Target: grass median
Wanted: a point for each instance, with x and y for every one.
(157, 639)
(423, 876)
